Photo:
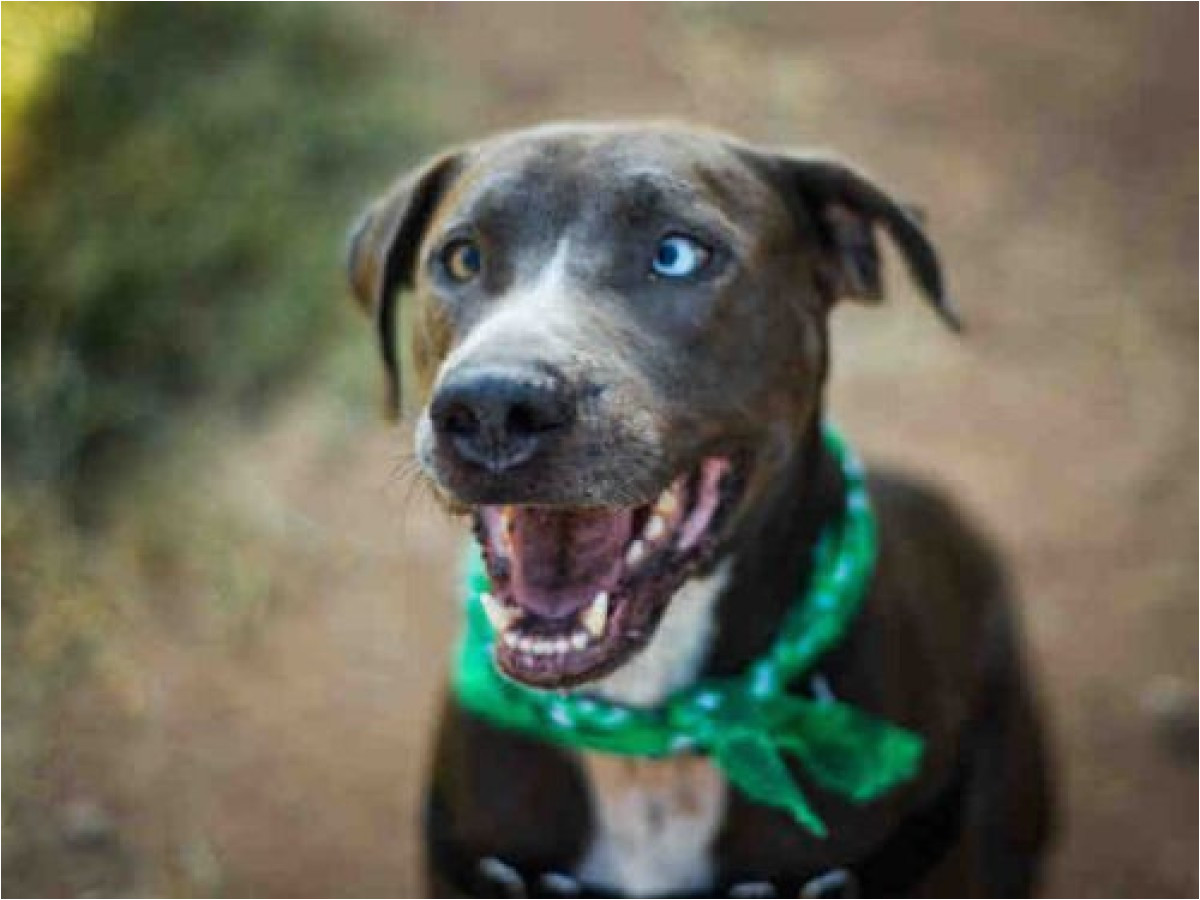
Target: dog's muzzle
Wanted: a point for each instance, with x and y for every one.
(578, 586)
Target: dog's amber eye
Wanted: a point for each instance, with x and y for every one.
(678, 257)
(463, 259)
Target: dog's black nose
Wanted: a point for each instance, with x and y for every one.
(498, 418)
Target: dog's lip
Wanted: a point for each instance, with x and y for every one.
(567, 631)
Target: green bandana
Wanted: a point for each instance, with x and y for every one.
(744, 724)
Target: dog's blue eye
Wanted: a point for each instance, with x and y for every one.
(463, 259)
(678, 257)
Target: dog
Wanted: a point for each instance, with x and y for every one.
(620, 342)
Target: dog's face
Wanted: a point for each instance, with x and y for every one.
(619, 340)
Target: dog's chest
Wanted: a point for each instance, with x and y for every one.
(654, 821)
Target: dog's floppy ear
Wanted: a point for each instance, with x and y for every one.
(844, 208)
(381, 253)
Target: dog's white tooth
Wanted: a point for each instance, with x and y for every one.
(667, 501)
(543, 646)
(635, 553)
(655, 528)
(562, 645)
(596, 616)
(579, 640)
(498, 614)
(507, 514)
(511, 638)
(526, 644)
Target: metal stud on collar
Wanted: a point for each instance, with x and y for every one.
(753, 889)
(834, 883)
(503, 876)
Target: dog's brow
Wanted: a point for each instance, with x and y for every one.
(655, 194)
(655, 178)
(497, 195)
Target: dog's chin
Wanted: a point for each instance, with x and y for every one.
(576, 591)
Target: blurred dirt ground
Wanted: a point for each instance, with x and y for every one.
(1054, 151)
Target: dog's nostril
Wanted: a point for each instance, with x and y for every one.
(459, 420)
(526, 419)
(520, 420)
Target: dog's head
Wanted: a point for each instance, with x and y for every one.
(619, 337)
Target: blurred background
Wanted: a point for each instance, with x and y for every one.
(226, 619)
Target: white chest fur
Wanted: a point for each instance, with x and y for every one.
(655, 820)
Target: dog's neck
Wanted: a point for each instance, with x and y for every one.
(718, 623)
(774, 554)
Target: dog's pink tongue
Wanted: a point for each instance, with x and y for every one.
(561, 560)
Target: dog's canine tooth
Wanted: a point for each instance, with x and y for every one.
(667, 501)
(596, 616)
(526, 644)
(635, 553)
(511, 639)
(655, 528)
(579, 640)
(501, 616)
(507, 526)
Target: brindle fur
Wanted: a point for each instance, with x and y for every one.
(663, 376)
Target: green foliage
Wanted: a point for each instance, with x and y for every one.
(175, 226)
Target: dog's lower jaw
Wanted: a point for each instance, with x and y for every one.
(655, 821)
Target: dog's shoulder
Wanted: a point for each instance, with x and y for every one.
(937, 620)
(928, 539)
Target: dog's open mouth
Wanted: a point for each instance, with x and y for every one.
(577, 590)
